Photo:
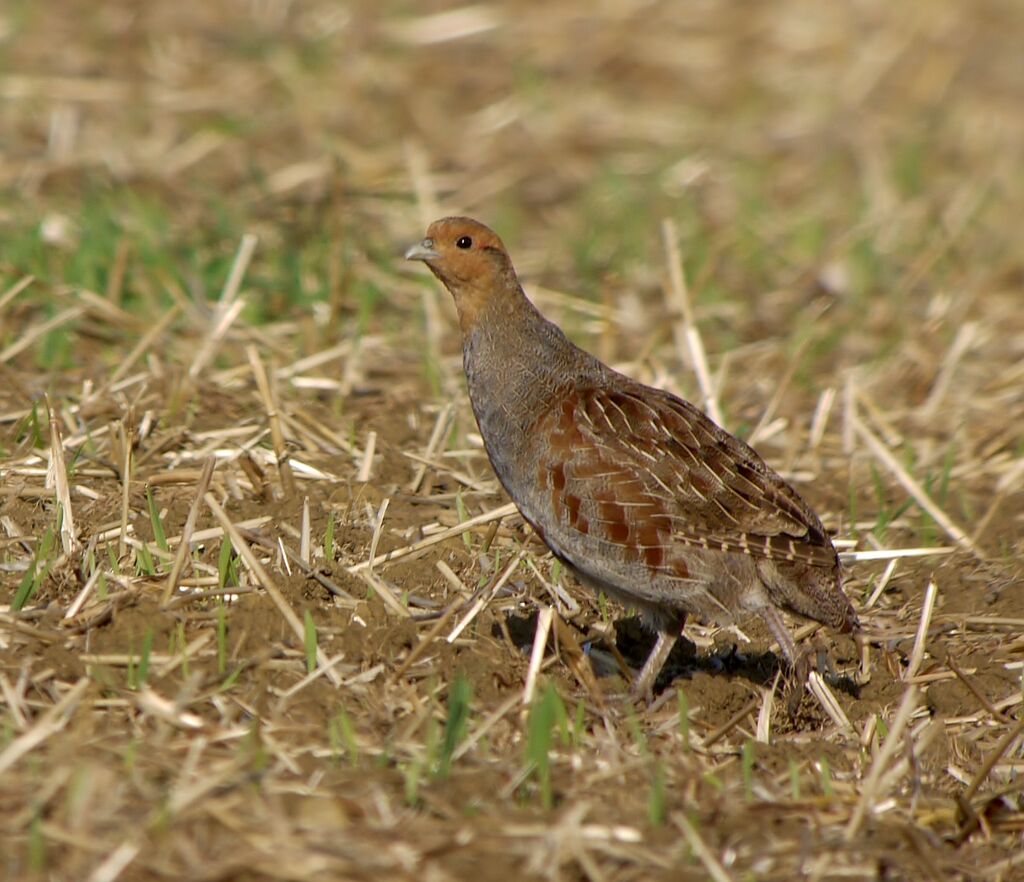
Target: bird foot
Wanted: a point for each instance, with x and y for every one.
(800, 670)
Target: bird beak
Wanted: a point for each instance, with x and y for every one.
(422, 251)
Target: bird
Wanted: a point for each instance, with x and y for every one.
(637, 491)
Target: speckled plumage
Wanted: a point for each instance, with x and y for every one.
(636, 490)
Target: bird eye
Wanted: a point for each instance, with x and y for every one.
(464, 242)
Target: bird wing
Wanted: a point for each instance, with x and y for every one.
(640, 467)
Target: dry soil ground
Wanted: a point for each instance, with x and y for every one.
(359, 664)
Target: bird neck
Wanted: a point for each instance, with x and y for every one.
(516, 362)
(483, 302)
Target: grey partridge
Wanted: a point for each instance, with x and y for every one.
(637, 491)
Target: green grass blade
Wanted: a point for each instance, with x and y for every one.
(158, 526)
(310, 641)
(457, 723)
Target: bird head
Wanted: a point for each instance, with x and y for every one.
(471, 261)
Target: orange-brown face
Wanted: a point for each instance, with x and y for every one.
(470, 260)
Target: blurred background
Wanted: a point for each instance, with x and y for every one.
(845, 181)
(866, 150)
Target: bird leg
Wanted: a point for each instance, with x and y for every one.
(643, 685)
(799, 663)
(777, 627)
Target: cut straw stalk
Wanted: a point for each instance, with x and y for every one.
(917, 654)
(441, 426)
(464, 479)
(920, 496)
(12, 622)
(15, 699)
(111, 868)
(732, 722)
(191, 151)
(485, 599)
(386, 594)
(764, 716)
(716, 872)
(15, 290)
(489, 723)
(241, 263)
(313, 675)
(218, 532)
(388, 556)
(416, 653)
(1007, 483)
(964, 340)
(224, 319)
(308, 362)
(152, 703)
(880, 586)
(378, 529)
(83, 595)
(276, 434)
(126, 475)
(869, 791)
(893, 554)
(433, 28)
(761, 430)
(252, 562)
(57, 478)
(366, 466)
(305, 537)
(186, 534)
(28, 337)
(452, 578)
(182, 656)
(579, 661)
(140, 348)
(983, 699)
(107, 310)
(48, 724)
(829, 703)
(820, 419)
(115, 280)
(993, 757)
(687, 335)
(540, 642)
